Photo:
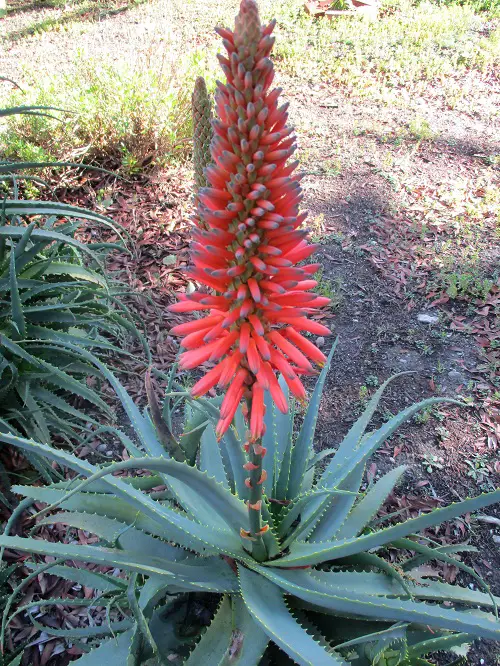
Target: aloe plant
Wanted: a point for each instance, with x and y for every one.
(52, 288)
(325, 551)
(49, 293)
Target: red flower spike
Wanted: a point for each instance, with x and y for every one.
(248, 241)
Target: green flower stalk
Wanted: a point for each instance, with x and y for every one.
(202, 132)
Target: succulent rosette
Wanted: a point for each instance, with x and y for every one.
(249, 245)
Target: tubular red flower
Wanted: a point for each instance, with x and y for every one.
(248, 241)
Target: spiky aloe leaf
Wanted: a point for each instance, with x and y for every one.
(303, 446)
(323, 513)
(276, 439)
(353, 438)
(91, 579)
(232, 638)
(438, 643)
(302, 553)
(232, 450)
(313, 589)
(434, 553)
(190, 440)
(184, 531)
(211, 458)
(339, 468)
(345, 474)
(222, 502)
(28, 207)
(298, 509)
(117, 534)
(214, 578)
(57, 376)
(78, 633)
(146, 434)
(18, 319)
(369, 506)
(267, 606)
(64, 268)
(113, 652)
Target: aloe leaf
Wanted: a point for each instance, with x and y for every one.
(113, 652)
(302, 553)
(230, 508)
(85, 577)
(233, 449)
(266, 604)
(28, 109)
(199, 511)
(321, 455)
(55, 376)
(48, 236)
(278, 433)
(351, 468)
(433, 553)
(49, 398)
(7, 167)
(283, 469)
(16, 305)
(440, 643)
(373, 561)
(421, 548)
(191, 438)
(33, 411)
(83, 632)
(216, 641)
(73, 270)
(303, 445)
(142, 623)
(131, 449)
(186, 530)
(115, 507)
(312, 589)
(339, 468)
(300, 504)
(210, 458)
(249, 640)
(368, 507)
(163, 431)
(324, 517)
(355, 434)
(32, 207)
(24, 239)
(116, 534)
(398, 631)
(187, 577)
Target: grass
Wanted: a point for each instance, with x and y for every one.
(410, 47)
(134, 114)
(138, 112)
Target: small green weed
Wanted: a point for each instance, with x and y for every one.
(431, 462)
(331, 289)
(420, 130)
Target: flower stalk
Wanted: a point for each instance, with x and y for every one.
(249, 251)
(254, 482)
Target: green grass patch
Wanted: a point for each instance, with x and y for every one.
(132, 114)
(409, 47)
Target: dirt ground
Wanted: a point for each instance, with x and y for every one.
(360, 183)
